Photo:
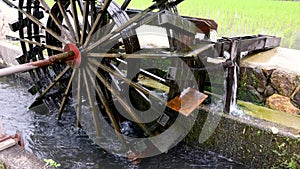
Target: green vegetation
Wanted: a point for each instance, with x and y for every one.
(237, 17)
(52, 163)
(2, 165)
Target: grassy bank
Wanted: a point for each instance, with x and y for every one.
(238, 17)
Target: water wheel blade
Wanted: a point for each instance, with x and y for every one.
(36, 103)
(39, 107)
(187, 101)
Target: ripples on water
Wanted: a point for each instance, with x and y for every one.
(61, 141)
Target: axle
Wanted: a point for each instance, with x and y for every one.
(41, 63)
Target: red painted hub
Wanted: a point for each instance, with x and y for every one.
(75, 63)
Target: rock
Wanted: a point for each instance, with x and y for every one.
(269, 91)
(296, 97)
(282, 103)
(268, 71)
(254, 77)
(284, 82)
(250, 94)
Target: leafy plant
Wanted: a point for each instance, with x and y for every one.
(2, 165)
(52, 163)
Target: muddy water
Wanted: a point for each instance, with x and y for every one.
(64, 143)
(283, 58)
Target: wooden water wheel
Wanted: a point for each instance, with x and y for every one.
(110, 71)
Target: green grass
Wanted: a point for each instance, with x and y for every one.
(241, 17)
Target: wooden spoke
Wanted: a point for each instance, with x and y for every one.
(80, 6)
(38, 44)
(107, 109)
(79, 99)
(75, 20)
(63, 103)
(120, 100)
(122, 27)
(127, 81)
(56, 21)
(36, 21)
(85, 22)
(91, 103)
(49, 87)
(97, 21)
(148, 74)
(66, 17)
(125, 4)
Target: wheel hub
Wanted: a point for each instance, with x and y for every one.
(76, 61)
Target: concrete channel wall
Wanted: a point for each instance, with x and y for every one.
(17, 157)
(254, 142)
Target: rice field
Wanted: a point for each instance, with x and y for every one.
(245, 17)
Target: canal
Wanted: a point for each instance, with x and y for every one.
(69, 146)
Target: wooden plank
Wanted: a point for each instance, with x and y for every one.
(187, 101)
(7, 143)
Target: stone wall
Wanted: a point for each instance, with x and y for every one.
(273, 86)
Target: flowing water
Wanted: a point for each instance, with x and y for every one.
(234, 110)
(61, 141)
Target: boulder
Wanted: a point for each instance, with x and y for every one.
(282, 103)
(284, 82)
(268, 71)
(269, 91)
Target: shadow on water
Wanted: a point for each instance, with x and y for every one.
(61, 141)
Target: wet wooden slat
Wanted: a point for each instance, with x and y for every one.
(187, 101)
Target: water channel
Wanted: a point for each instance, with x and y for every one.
(61, 141)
